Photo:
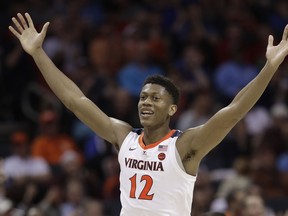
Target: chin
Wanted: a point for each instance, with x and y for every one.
(146, 123)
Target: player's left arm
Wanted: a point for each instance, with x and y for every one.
(202, 139)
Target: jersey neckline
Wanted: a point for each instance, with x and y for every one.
(152, 145)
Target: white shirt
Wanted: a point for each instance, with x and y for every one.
(151, 180)
(15, 166)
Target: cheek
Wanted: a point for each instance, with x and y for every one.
(164, 113)
(139, 104)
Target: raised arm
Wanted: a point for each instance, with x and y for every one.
(72, 97)
(202, 139)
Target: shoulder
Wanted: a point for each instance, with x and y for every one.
(137, 131)
(134, 133)
(177, 133)
(10, 160)
(186, 140)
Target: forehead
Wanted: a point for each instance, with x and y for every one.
(150, 88)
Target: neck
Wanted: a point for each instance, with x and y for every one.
(153, 135)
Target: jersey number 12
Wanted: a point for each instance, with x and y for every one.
(145, 191)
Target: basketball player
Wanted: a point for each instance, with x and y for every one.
(158, 165)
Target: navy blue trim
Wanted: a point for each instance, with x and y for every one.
(140, 130)
(137, 130)
(176, 133)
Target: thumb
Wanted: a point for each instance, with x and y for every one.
(270, 41)
(44, 29)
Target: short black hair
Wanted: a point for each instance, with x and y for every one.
(170, 87)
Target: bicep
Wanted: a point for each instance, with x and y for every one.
(110, 129)
(207, 136)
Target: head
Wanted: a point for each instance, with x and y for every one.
(71, 163)
(98, 51)
(253, 205)
(234, 200)
(34, 211)
(193, 57)
(49, 122)
(94, 208)
(142, 53)
(75, 192)
(158, 101)
(21, 143)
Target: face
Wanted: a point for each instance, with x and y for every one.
(155, 106)
(254, 206)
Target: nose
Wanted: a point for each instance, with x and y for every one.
(146, 102)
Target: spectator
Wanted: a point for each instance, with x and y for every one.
(75, 198)
(50, 144)
(198, 112)
(93, 208)
(253, 205)
(21, 166)
(234, 202)
(191, 70)
(282, 167)
(240, 181)
(50, 205)
(133, 74)
(35, 212)
(232, 75)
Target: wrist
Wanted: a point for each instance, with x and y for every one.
(271, 66)
(37, 52)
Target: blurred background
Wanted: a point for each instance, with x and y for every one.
(56, 166)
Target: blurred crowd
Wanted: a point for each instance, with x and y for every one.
(54, 165)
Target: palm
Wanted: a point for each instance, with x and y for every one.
(276, 54)
(30, 40)
(25, 31)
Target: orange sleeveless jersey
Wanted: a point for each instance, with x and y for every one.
(151, 180)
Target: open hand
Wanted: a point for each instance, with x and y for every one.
(276, 54)
(25, 31)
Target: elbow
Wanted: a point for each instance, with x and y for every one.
(236, 113)
(75, 103)
(70, 103)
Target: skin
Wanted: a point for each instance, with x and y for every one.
(193, 144)
(254, 206)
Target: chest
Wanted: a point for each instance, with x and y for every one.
(156, 159)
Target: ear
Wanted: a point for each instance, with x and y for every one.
(172, 110)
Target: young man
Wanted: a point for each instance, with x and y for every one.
(158, 165)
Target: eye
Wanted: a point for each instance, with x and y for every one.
(142, 97)
(155, 98)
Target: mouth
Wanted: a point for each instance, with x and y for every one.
(146, 113)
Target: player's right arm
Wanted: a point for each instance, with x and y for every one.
(110, 129)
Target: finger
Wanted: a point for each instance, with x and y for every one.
(30, 22)
(270, 40)
(14, 31)
(22, 20)
(17, 24)
(44, 29)
(285, 33)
